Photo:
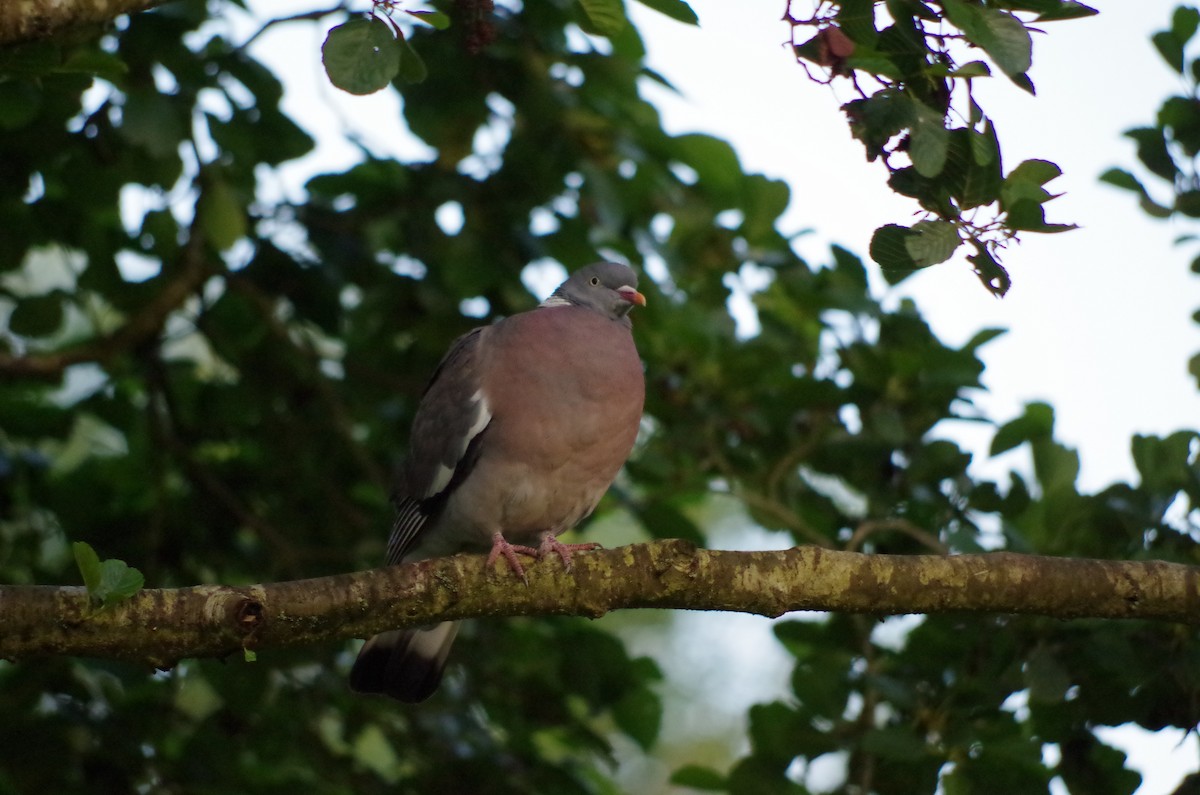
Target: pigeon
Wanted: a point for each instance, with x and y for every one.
(522, 429)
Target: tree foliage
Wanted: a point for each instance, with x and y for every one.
(210, 380)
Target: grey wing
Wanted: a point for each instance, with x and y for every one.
(446, 431)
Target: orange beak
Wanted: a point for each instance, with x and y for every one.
(632, 296)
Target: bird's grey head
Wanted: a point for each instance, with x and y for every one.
(607, 287)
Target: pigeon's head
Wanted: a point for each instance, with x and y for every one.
(606, 287)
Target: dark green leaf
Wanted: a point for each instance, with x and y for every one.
(1152, 151)
(412, 68)
(20, 103)
(1184, 22)
(663, 520)
(639, 715)
(1170, 48)
(1188, 203)
(1066, 9)
(856, 18)
(1181, 115)
(1000, 34)
(38, 315)
(1048, 681)
(436, 19)
(893, 743)
(889, 248)
(972, 69)
(930, 141)
(675, 9)
(607, 17)
(1036, 423)
(1122, 179)
(361, 56)
(933, 242)
(989, 270)
(1087, 765)
(698, 777)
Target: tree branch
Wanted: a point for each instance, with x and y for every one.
(175, 288)
(39, 19)
(161, 627)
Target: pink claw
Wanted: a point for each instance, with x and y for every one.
(551, 544)
(501, 548)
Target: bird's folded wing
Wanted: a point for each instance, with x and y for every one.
(453, 414)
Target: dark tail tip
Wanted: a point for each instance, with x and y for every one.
(406, 665)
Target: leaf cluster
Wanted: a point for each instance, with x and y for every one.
(916, 112)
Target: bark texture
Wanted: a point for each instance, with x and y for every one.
(26, 20)
(158, 627)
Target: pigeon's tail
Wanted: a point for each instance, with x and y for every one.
(405, 664)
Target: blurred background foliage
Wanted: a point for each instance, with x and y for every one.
(212, 381)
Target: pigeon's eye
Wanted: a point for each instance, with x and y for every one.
(595, 280)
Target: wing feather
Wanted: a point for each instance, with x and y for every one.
(450, 420)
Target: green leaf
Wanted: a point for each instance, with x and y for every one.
(607, 16)
(148, 119)
(1067, 9)
(639, 715)
(1028, 215)
(89, 565)
(1036, 423)
(698, 777)
(889, 248)
(412, 66)
(1001, 35)
(1170, 48)
(675, 9)
(90, 61)
(856, 18)
(1188, 203)
(972, 69)
(1152, 151)
(1164, 464)
(361, 56)
(1184, 22)
(249, 655)
(1046, 678)
(1038, 172)
(930, 141)
(989, 270)
(108, 582)
(893, 743)
(37, 315)
(1181, 115)
(933, 243)
(221, 215)
(437, 19)
(664, 520)
(118, 582)
(1123, 179)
